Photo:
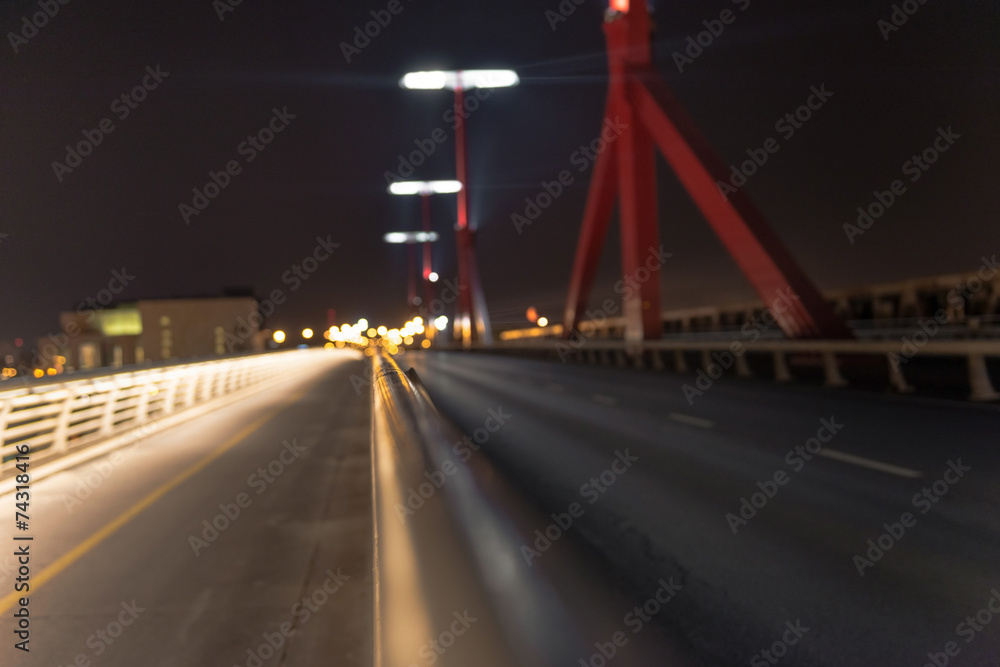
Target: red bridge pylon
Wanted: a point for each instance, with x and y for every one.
(640, 103)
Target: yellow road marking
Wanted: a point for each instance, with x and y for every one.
(80, 550)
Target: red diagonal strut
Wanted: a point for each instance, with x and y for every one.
(640, 101)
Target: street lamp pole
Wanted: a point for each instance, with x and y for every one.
(466, 253)
(471, 299)
(425, 189)
(411, 239)
(425, 205)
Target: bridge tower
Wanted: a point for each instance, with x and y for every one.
(643, 108)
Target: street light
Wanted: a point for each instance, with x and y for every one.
(411, 239)
(425, 189)
(471, 302)
(467, 79)
(307, 333)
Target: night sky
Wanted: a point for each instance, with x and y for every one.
(323, 176)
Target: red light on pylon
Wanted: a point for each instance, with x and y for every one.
(620, 6)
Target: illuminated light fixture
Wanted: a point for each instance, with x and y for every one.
(424, 187)
(441, 322)
(411, 237)
(307, 333)
(425, 343)
(465, 79)
(362, 323)
(382, 331)
(279, 336)
(620, 6)
(433, 276)
(543, 321)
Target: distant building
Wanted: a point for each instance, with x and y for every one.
(156, 330)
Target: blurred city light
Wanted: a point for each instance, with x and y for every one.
(543, 321)
(307, 333)
(433, 276)
(441, 322)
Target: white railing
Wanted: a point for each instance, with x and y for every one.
(57, 418)
(973, 352)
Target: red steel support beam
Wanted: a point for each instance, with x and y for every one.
(596, 218)
(798, 306)
(640, 101)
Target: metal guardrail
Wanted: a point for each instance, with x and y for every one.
(459, 553)
(55, 418)
(641, 353)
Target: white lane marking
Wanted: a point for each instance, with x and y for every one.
(606, 400)
(889, 468)
(693, 421)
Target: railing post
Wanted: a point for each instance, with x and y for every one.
(171, 397)
(680, 362)
(896, 377)
(706, 360)
(832, 371)
(979, 379)
(142, 410)
(108, 418)
(192, 389)
(781, 372)
(59, 439)
(742, 367)
(5, 409)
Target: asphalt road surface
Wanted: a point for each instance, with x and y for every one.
(794, 579)
(119, 577)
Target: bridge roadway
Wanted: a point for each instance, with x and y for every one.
(794, 560)
(663, 516)
(129, 540)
